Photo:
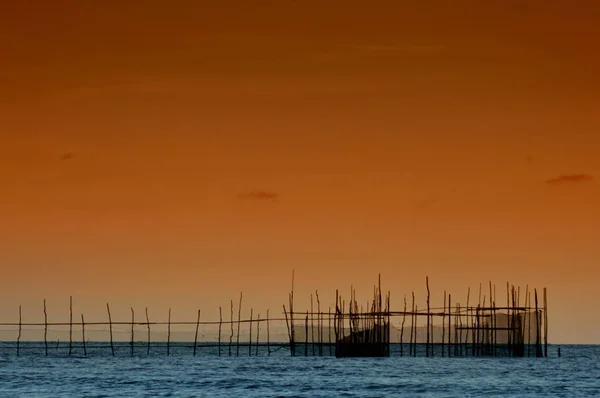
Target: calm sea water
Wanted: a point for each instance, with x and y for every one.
(576, 373)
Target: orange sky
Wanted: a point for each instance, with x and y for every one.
(407, 139)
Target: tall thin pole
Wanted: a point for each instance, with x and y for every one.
(416, 319)
(112, 346)
(220, 326)
(231, 324)
(250, 338)
(169, 334)
(412, 325)
(428, 316)
(257, 334)
(83, 335)
(402, 329)
(444, 325)
(545, 324)
(70, 324)
(312, 326)
(45, 328)
(449, 322)
(196, 334)
(238, 326)
(529, 327)
(132, 324)
(19, 336)
(268, 336)
(148, 324)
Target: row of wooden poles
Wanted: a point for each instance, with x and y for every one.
(480, 324)
(470, 330)
(230, 347)
(466, 328)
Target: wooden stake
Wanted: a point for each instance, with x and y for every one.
(415, 350)
(412, 325)
(250, 338)
(112, 346)
(545, 324)
(148, 324)
(231, 323)
(288, 328)
(220, 325)
(196, 334)
(444, 325)
(132, 324)
(169, 334)
(306, 333)
(428, 294)
(319, 328)
(83, 335)
(238, 326)
(529, 327)
(19, 336)
(45, 328)
(449, 322)
(70, 324)
(329, 331)
(268, 336)
(257, 334)
(312, 326)
(538, 350)
(467, 321)
(402, 329)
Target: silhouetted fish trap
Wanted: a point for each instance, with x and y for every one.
(482, 327)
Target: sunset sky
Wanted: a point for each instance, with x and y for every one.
(172, 154)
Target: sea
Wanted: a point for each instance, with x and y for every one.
(151, 373)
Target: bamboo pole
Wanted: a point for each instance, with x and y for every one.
(467, 321)
(319, 326)
(457, 340)
(19, 336)
(537, 327)
(509, 320)
(148, 324)
(45, 328)
(169, 334)
(329, 331)
(268, 336)
(449, 322)
(312, 326)
(415, 350)
(250, 338)
(428, 317)
(257, 334)
(444, 324)
(220, 326)
(83, 335)
(196, 334)
(529, 328)
(231, 324)
(132, 332)
(288, 329)
(237, 349)
(412, 326)
(112, 346)
(306, 335)
(292, 327)
(402, 329)
(492, 321)
(545, 324)
(70, 324)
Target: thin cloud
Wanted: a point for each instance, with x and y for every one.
(570, 179)
(414, 49)
(259, 195)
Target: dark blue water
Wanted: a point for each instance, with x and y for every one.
(32, 374)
